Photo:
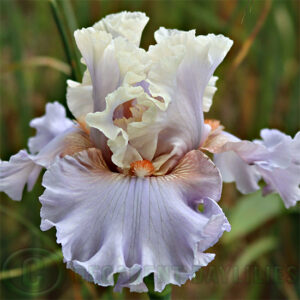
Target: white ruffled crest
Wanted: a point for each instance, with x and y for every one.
(129, 25)
(123, 154)
(209, 93)
(130, 225)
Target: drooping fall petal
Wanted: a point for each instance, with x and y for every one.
(110, 223)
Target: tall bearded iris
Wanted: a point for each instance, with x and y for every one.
(124, 181)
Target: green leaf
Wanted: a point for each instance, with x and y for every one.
(250, 212)
(255, 251)
(251, 254)
(68, 44)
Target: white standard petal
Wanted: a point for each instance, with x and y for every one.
(110, 223)
(129, 25)
(80, 98)
(99, 56)
(182, 68)
(109, 62)
(172, 121)
(53, 123)
(163, 35)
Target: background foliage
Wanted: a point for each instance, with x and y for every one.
(258, 87)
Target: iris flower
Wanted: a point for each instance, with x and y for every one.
(125, 180)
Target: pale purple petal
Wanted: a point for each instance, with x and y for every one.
(295, 148)
(283, 181)
(109, 223)
(279, 147)
(273, 137)
(53, 123)
(23, 168)
(56, 146)
(276, 159)
(233, 168)
(16, 172)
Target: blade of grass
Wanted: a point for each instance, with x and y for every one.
(253, 252)
(38, 61)
(51, 259)
(68, 12)
(271, 68)
(279, 279)
(248, 43)
(72, 25)
(292, 122)
(16, 42)
(69, 49)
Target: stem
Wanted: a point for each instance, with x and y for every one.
(248, 43)
(69, 50)
(164, 295)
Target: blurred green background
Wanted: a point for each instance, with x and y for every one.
(258, 87)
